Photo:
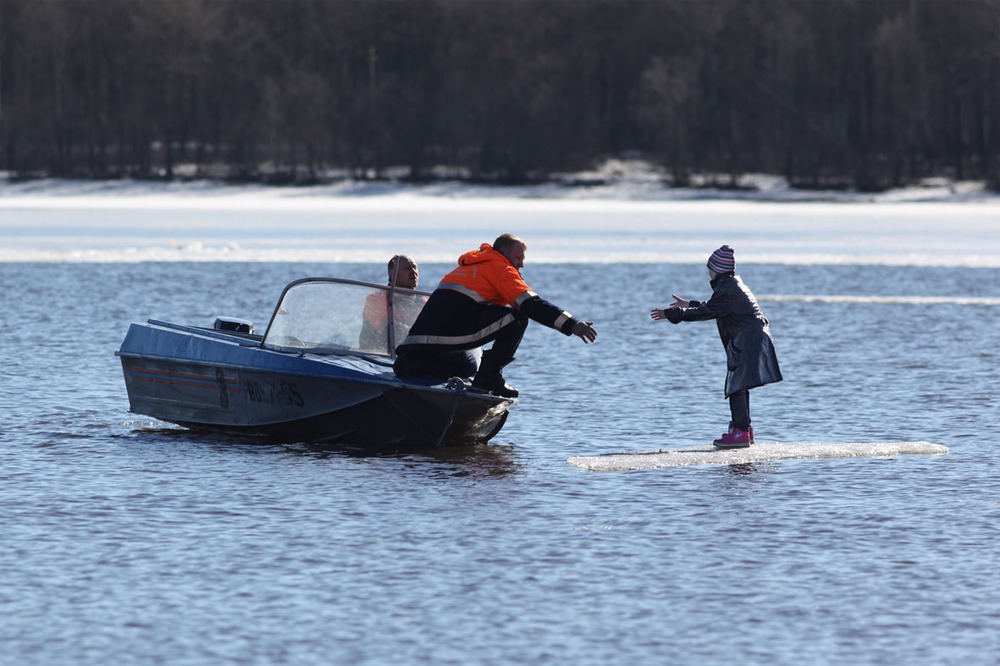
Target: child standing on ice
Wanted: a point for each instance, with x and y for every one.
(745, 333)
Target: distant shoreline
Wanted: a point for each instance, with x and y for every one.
(637, 185)
(630, 221)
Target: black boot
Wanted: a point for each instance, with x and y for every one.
(489, 377)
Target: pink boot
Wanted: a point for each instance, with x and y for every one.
(735, 439)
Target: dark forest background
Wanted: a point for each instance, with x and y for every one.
(863, 94)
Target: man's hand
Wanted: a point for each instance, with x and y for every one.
(585, 331)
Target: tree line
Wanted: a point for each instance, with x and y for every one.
(863, 94)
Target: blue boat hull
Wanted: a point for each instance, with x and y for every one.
(224, 382)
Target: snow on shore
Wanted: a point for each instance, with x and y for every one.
(619, 213)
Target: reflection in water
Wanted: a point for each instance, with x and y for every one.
(477, 460)
(169, 440)
(745, 477)
(741, 482)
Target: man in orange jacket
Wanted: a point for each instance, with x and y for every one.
(482, 300)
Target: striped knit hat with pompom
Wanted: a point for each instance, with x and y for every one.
(722, 260)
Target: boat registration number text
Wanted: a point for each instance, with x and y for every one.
(273, 393)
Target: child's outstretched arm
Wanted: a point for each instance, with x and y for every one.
(660, 314)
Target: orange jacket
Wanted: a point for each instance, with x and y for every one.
(487, 276)
(474, 301)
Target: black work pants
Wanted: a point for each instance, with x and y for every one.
(508, 338)
(739, 408)
(426, 361)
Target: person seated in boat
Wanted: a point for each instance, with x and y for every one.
(484, 299)
(404, 274)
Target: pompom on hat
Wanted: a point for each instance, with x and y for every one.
(723, 260)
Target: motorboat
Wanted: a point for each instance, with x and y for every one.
(320, 373)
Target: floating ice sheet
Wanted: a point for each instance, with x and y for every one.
(759, 452)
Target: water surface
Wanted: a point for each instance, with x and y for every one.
(130, 541)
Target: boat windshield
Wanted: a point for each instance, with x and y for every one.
(328, 315)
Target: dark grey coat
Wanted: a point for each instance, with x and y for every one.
(745, 332)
